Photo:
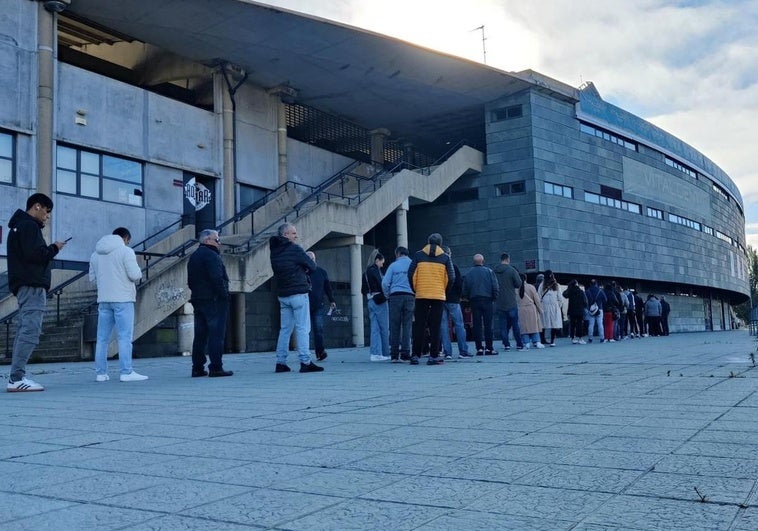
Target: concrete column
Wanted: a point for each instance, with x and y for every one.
(46, 43)
(356, 298)
(185, 329)
(377, 145)
(223, 104)
(281, 128)
(401, 221)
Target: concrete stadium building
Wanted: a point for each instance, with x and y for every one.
(175, 116)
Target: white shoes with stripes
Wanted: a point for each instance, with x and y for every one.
(24, 385)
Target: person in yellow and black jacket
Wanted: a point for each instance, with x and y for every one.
(430, 274)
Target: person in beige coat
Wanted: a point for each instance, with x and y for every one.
(529, 314)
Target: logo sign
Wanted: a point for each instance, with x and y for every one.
(197, 194)
(530, 264)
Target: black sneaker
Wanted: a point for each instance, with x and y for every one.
(197, 373)
(219, 374)
(507, 348)
(465, 355)
(311, 367)
(434, 360)
(321, 356)
(404, 356)
(282, 367)
(414, 360)
(480, 353)
(491, 352)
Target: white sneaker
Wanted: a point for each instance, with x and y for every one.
(102, 378)
(379, 357)
(539, 345)
(582, 342)
(574, 341)
(24, 385)
(132, 377)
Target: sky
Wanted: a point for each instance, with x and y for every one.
(687, 66)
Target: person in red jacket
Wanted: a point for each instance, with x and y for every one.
(430, 274)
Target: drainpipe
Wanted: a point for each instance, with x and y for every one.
(47, 11)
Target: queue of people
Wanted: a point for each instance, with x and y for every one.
(410, 306)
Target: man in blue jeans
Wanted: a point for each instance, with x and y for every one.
(291, 267)
(29, 266)
(209, 284)
(113, 267)
(506, 306)
(451, 311)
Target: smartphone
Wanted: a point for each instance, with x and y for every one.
(67, 239)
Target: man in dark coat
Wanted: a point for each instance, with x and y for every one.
(291, 267)
(320, 287)
(665, 311)
(209, 284)
(29, 268)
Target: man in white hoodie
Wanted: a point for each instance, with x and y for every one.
(113, 266)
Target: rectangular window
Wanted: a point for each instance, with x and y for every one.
(723, 237)
(507, 113)
(99, 176)
(681, 167)
(559, 189)
(707, 230)
(685, 221)
(510, 188)
(720, 191)
(589, 197)
(7, 153)
(607, 135)
(655, 213)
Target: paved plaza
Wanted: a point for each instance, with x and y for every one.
(655, 433)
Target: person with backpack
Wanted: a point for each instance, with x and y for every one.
(596, 299)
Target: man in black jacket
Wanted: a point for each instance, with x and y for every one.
(291, 267)
(207, 279)
(29, 267)
(452, 311)
(320, 287)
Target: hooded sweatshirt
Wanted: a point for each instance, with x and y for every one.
(29, 257)
(113, 266)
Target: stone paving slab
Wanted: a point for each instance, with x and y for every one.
(657, 433)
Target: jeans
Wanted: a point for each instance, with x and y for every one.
(317, 327)
(599, 320)
(401, 322)
(427, 313)
(210, 329)
(294, 314)
(482, 309)
(120, 315)
(31, 310)
(379, 316)
(507, 320)
(534, 338)
(452, 310)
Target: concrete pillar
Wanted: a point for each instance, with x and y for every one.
(46, 45)
(281, 128)
(185, 329)
(401, 222)
(237, 309)
(377, 145)
(356, 298)
(223, 104)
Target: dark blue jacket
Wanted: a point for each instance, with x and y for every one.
(206, 275)
(595, 294)
(320, 286)
(291, 267)
(453, 293)
(29, 257)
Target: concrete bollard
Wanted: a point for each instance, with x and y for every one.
(185, 329)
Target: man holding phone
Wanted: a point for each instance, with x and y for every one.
(29, 268)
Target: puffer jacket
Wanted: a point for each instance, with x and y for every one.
(431, 273)
(29, 257)
(113, 267)
(291, 267)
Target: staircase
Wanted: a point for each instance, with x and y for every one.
(351, 203)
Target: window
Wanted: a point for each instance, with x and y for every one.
(707, 230)
(607, 135)
(723, 237)
(6, 157)
(681, 167)
(655, 213)
(720, 191)
(558, 189)
(510, 188)
(507, 113)
(685, 221)
(611, 202)
(99, 176)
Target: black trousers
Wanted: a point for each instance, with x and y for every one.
(482, 310)
(427, 314)
(210, 330)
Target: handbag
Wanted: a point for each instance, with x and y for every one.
(379, 298)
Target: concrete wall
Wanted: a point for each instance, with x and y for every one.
(311, 165)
